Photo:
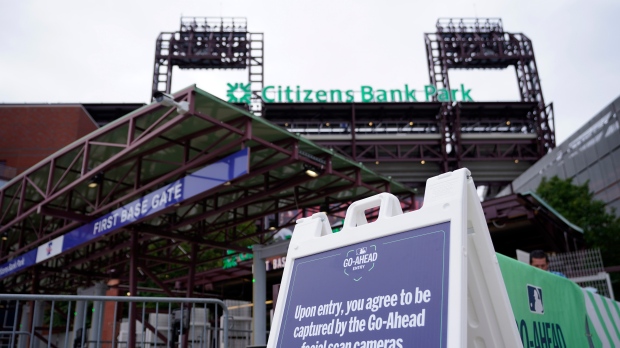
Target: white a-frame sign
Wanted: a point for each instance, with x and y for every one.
(427, 278)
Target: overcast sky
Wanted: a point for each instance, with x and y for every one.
(102, 51)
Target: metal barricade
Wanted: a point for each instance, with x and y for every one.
(36, 321)
(584, 267)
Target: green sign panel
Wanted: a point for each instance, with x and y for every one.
(549, 310)
(241, 93)
(233, 258)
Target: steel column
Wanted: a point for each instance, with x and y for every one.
(259, 296)
(133, 288)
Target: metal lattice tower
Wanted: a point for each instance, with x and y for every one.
(211, 43)
(411, 141)
(477, 43)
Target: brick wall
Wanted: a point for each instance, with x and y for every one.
(30, 133)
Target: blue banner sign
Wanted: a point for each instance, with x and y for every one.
(213, 175)
(23, 261)
(389, 292)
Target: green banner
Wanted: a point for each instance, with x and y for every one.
(604, 315)
(550, 311)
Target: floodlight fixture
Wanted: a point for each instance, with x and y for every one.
(311, 171)
(272, 224)
(168, 100)
(96, 180)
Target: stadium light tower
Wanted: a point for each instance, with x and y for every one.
(210, 43)
(482, 43)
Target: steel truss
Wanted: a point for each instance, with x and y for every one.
(389, 135)
(521, 221)
(147, 150)
(211, 43)
(483, 44)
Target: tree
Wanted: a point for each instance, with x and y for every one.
(576, 203)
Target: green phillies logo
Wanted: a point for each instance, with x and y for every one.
(360, 260)
(240, 93)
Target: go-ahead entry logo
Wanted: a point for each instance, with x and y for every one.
(239, 93)
(360, 260)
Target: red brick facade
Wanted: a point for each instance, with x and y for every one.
(30, 133)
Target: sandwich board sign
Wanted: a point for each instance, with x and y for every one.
(426, 278)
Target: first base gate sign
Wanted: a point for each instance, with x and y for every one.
(398, 282)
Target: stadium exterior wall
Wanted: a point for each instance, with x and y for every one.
(591, 154)
(30, 133)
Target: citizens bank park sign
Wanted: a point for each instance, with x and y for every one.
(241, 93)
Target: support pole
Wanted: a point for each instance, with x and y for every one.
(187, 308)
(22, 340)
(133, 288)
(97, 315)
(259, 272)
(79, 323)
(37, 322)
(353, 142)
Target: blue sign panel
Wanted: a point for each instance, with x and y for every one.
(213, 175)
(390, 292)
(17, 264)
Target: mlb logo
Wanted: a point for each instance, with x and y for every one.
(361, 251)
(535, 299)
(49, 248)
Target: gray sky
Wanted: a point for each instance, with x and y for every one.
(102, 51)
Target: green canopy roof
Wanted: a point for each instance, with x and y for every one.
(153, 146)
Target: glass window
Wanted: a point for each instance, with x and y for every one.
(613, 195)
(616, 205)
(561, 172)
(612, 133)
(579, 161)
(601, 196)
(589, 156)
(602, 147)
(569, 167)
(596, 178)
(552, 171)
(534, 183)
(615, 158)
(581, 178)
(607, 169)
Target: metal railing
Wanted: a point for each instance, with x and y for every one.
(37, 321)
(584, 267)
